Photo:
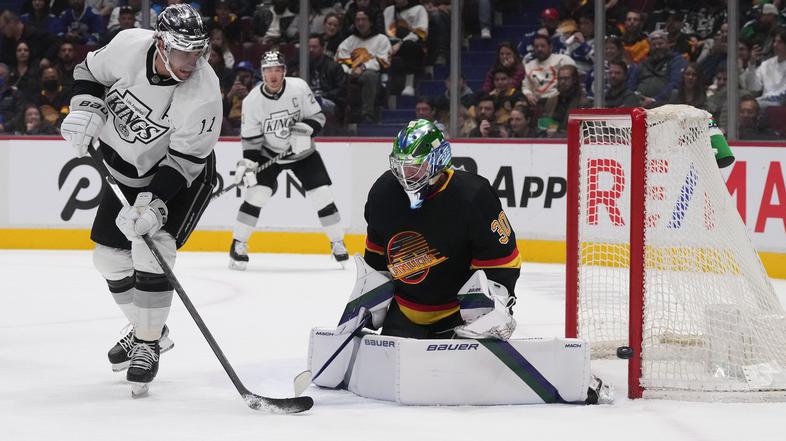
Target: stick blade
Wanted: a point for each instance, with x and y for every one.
(301, 382)
(278, 405)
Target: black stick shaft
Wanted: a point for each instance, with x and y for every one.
(357, 330)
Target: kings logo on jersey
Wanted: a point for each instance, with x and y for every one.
(278, 123)
(132, 118)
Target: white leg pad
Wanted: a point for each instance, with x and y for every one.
(113, 263)
(143, 258)
(258, 195)
(471, 372)
(321, 345)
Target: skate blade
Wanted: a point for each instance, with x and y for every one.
(237, 266)
(139, 390)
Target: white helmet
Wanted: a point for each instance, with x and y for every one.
(272, 59)
(180, 27)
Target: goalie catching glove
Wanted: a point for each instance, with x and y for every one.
(300, 137)
(146, 216)
(84, 122)
(372, 294)
(246, 173)
(486, 309)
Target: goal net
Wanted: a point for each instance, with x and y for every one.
(659, 260)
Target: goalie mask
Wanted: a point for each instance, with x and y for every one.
(420, 153)
(185, 40)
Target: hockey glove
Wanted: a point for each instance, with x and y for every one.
(486, 309)
(372, 294)
(246, 173)
(146, 216)
(84, 122)
(300, 137)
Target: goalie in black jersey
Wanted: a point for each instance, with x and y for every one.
(432, 227)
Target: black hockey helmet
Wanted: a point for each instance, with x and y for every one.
(272, 59)
(180, 27)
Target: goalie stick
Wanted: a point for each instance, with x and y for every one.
(272, 161)
(303, 379)
(254, 401)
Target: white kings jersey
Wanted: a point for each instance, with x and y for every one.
(153, 120)
(266, 118)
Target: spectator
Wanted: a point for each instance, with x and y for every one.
(226, 21)
(508, 60)
(716, 103)
(81, 24)
(520, 123)
(713, 52)
(317, 12)
(65, 65)
(373, 11)
(634, 40)
(126, 19)
(466, 99)
(41, 43)
(569, 96)
(618, 94)
(226, 76)
(363, 55)
(659, 74)
(406, 24)
(505, 94)
(438, 41)
(233, 101)
(24, 73)
(484, 18)
(275, 23)
(102, 7)
(691, 91)
(581, 44)
(541, 78)
(614, 52)
(549, 21)
(30, 123)
(333, 35)
(218, 41)
(680, 41)
(485, 117)
(41, 19)
(11, 101)
(425, 109)
(136, 6)
(52, 101)
(326, 78)
(55, 7)
(750, 126)
(241, 8)
(762, 30)
(770, 77)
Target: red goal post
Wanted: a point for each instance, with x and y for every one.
(658, 260)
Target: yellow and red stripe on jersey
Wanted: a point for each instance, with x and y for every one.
(444, 185)
(426, 314)
(513, 260)
(374, 248)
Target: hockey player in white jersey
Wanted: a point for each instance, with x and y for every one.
(154, 105)
(281, 115)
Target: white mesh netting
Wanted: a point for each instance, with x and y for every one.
(712, 322)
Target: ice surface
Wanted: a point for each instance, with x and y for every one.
(57, 320)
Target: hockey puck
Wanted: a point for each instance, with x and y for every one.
(624, 352)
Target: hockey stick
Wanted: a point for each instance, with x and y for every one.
(272, 161)
(303, 379)
(254, 401)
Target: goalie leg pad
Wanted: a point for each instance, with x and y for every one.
(471, 372)
(322, 344)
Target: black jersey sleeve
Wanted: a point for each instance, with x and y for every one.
(492, 239)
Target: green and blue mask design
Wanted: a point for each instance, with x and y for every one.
(420, 153)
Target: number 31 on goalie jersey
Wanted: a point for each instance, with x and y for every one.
(501, 226)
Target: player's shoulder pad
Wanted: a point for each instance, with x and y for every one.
(471, 185)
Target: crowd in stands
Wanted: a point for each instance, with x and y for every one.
(362, 52)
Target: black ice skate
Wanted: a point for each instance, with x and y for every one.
(120, 354)
(599, 392)
(339, 252)
(238, 255)
(144, 365)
